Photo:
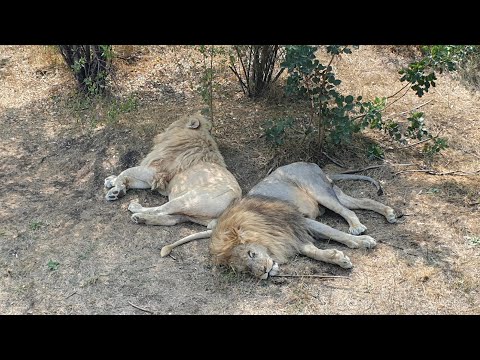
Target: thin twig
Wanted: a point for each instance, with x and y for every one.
(139, 308)
(433, 172)
(417, 143)
(392, 245)
(397, 247)
(69, 296)
(394, 101)
(406, 112)
(211, 81)
(173, 257)
(278, 74)
(360, 170)
(243, 65)
(315, 276)
(341, 288)
(419, 106)
(388, 97)
(146, 268)
(238, 77)
(416, 107)
(333, 160)
(321, 125)
(422, 141)
(471, 153)
(408, 164)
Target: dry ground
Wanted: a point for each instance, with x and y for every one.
(65, 250)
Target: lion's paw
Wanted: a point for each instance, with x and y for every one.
(134, 207)
(366, 242)
(357, 230)
(138, 219)
(340, 259)
(109, 181)
(391, 216)
(115, 193)
(275, 270)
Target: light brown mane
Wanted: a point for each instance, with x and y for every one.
(180, 147)
(272, 223)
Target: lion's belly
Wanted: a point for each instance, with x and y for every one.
(204, 178)
(287, 192)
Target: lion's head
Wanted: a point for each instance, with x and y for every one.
(256, 234)
(195, 121)
(183, 144)
(253, 258)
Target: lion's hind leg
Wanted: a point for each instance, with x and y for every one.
(326, 232)
(327, 198)
(366, 204)
(110, 181)
(331, 256)
(311, 179)
(167, 214)
(139, 177)
(197, 208)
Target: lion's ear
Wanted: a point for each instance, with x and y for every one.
(193, 123)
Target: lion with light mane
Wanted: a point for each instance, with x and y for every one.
(185, 165)
(276, 220)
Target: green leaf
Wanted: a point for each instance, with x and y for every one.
(349, 99)
(53, 265)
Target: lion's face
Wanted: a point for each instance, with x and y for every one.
(253, 258)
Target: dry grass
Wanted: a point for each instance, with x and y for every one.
(53, 162)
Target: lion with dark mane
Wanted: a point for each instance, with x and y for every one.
(276, 220)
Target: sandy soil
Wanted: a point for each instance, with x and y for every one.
(65, 250)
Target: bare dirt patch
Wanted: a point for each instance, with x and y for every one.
(65, 250)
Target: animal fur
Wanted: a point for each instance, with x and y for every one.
(180, 147)
(275, 224)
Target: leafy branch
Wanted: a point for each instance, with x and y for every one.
(336, 117)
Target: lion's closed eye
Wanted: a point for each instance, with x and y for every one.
(251, 254)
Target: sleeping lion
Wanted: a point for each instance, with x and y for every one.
(185, 165)
(276, 220)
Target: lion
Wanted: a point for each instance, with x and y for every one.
(276, 220)
(185, 165)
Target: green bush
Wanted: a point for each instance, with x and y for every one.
(334, 117)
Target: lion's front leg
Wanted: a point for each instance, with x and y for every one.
(331, 256)
(139, 177)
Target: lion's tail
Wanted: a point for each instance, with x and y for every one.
(336, 177)
(167, 249)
